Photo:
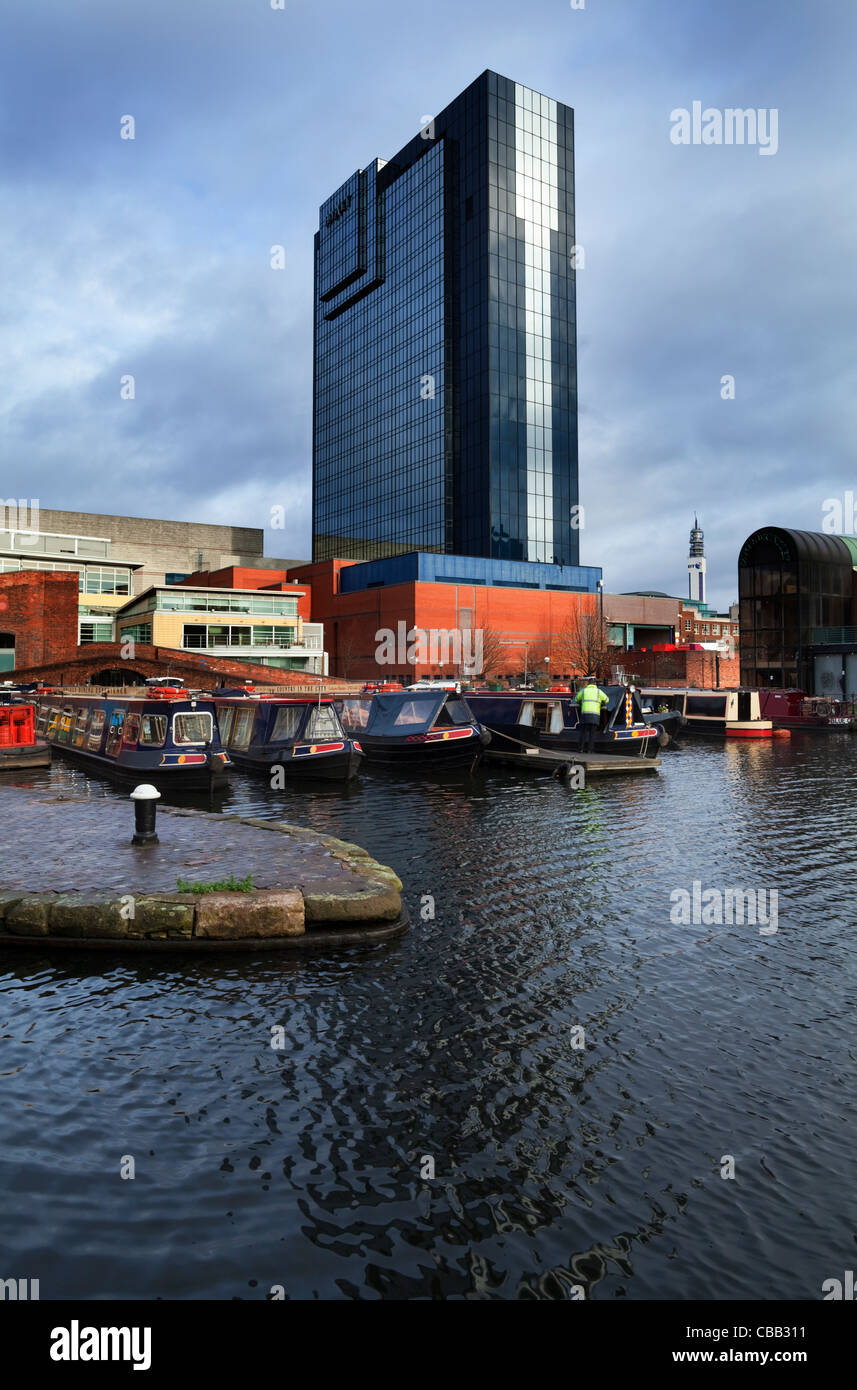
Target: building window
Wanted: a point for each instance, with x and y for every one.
(137, 632)
(95, 632)
(688, 625)
(275, 605)
(98, 579)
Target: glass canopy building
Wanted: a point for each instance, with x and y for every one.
(445, 390)
(797, 605)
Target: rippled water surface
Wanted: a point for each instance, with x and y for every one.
(555, 1165)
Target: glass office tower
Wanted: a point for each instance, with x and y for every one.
(445, 388)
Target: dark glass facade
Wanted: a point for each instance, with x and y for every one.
(795, 590)
(445, 390)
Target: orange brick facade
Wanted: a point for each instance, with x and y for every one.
(520, 621)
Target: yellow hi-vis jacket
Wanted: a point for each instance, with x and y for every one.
(590, 699)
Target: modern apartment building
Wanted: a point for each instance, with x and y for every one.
(445, 385)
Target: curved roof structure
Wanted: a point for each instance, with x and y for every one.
(808, 546)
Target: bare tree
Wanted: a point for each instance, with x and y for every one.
(494, 653)
(581, 645)
(347, 650)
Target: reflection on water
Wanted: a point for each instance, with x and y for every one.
(555, 1165)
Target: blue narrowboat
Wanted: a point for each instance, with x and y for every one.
(164, 736)
(301, 734)
(551, 719)
(431, 728)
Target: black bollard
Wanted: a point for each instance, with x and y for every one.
(145, 799)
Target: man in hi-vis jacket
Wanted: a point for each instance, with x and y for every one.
(590, 699)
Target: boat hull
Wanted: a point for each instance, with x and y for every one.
(25, 756)
(456, 749)
(338, 765)
(177, 776)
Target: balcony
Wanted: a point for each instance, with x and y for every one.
(832, 636)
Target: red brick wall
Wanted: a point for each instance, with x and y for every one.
(39, 608)
(705, 670)
(80, 663)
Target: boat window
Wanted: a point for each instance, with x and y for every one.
(225, 720)
(712, 705)
(153, 730)
(53, 720)
(132, 728)
(114, 733)
(66, 721)
(96, 727)
(354, 714)
(541, 715)
(192, 727)
(80, 727)
(287, 723)
(413, 712)
(323, 723)
(42, 719)
(455, 711)
(243, 728)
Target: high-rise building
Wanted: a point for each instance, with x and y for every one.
(696, 564)
(445, 386)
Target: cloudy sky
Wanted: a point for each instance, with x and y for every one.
(151, 257)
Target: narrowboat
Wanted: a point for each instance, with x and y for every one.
(716, 713)
(794, 709)
(19, 746)
(420, 729)
(300, 734)
(551, 719)
(163, 737)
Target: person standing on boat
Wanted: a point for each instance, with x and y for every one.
(590, 699)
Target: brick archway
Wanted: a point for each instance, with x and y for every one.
(82, 667)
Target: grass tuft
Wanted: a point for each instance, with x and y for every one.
(222, 885)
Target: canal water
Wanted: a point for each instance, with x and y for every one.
(611, 1101)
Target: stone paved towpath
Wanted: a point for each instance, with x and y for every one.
(50, 843)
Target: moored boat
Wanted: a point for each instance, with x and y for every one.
(19, 746)
(428, 728)
(302, 735)
(170, 739)
(551, 719)
(715, 713)
(794, 709)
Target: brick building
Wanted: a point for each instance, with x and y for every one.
(38, 617)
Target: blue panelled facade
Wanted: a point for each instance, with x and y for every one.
(445, 391)
(428, 568)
